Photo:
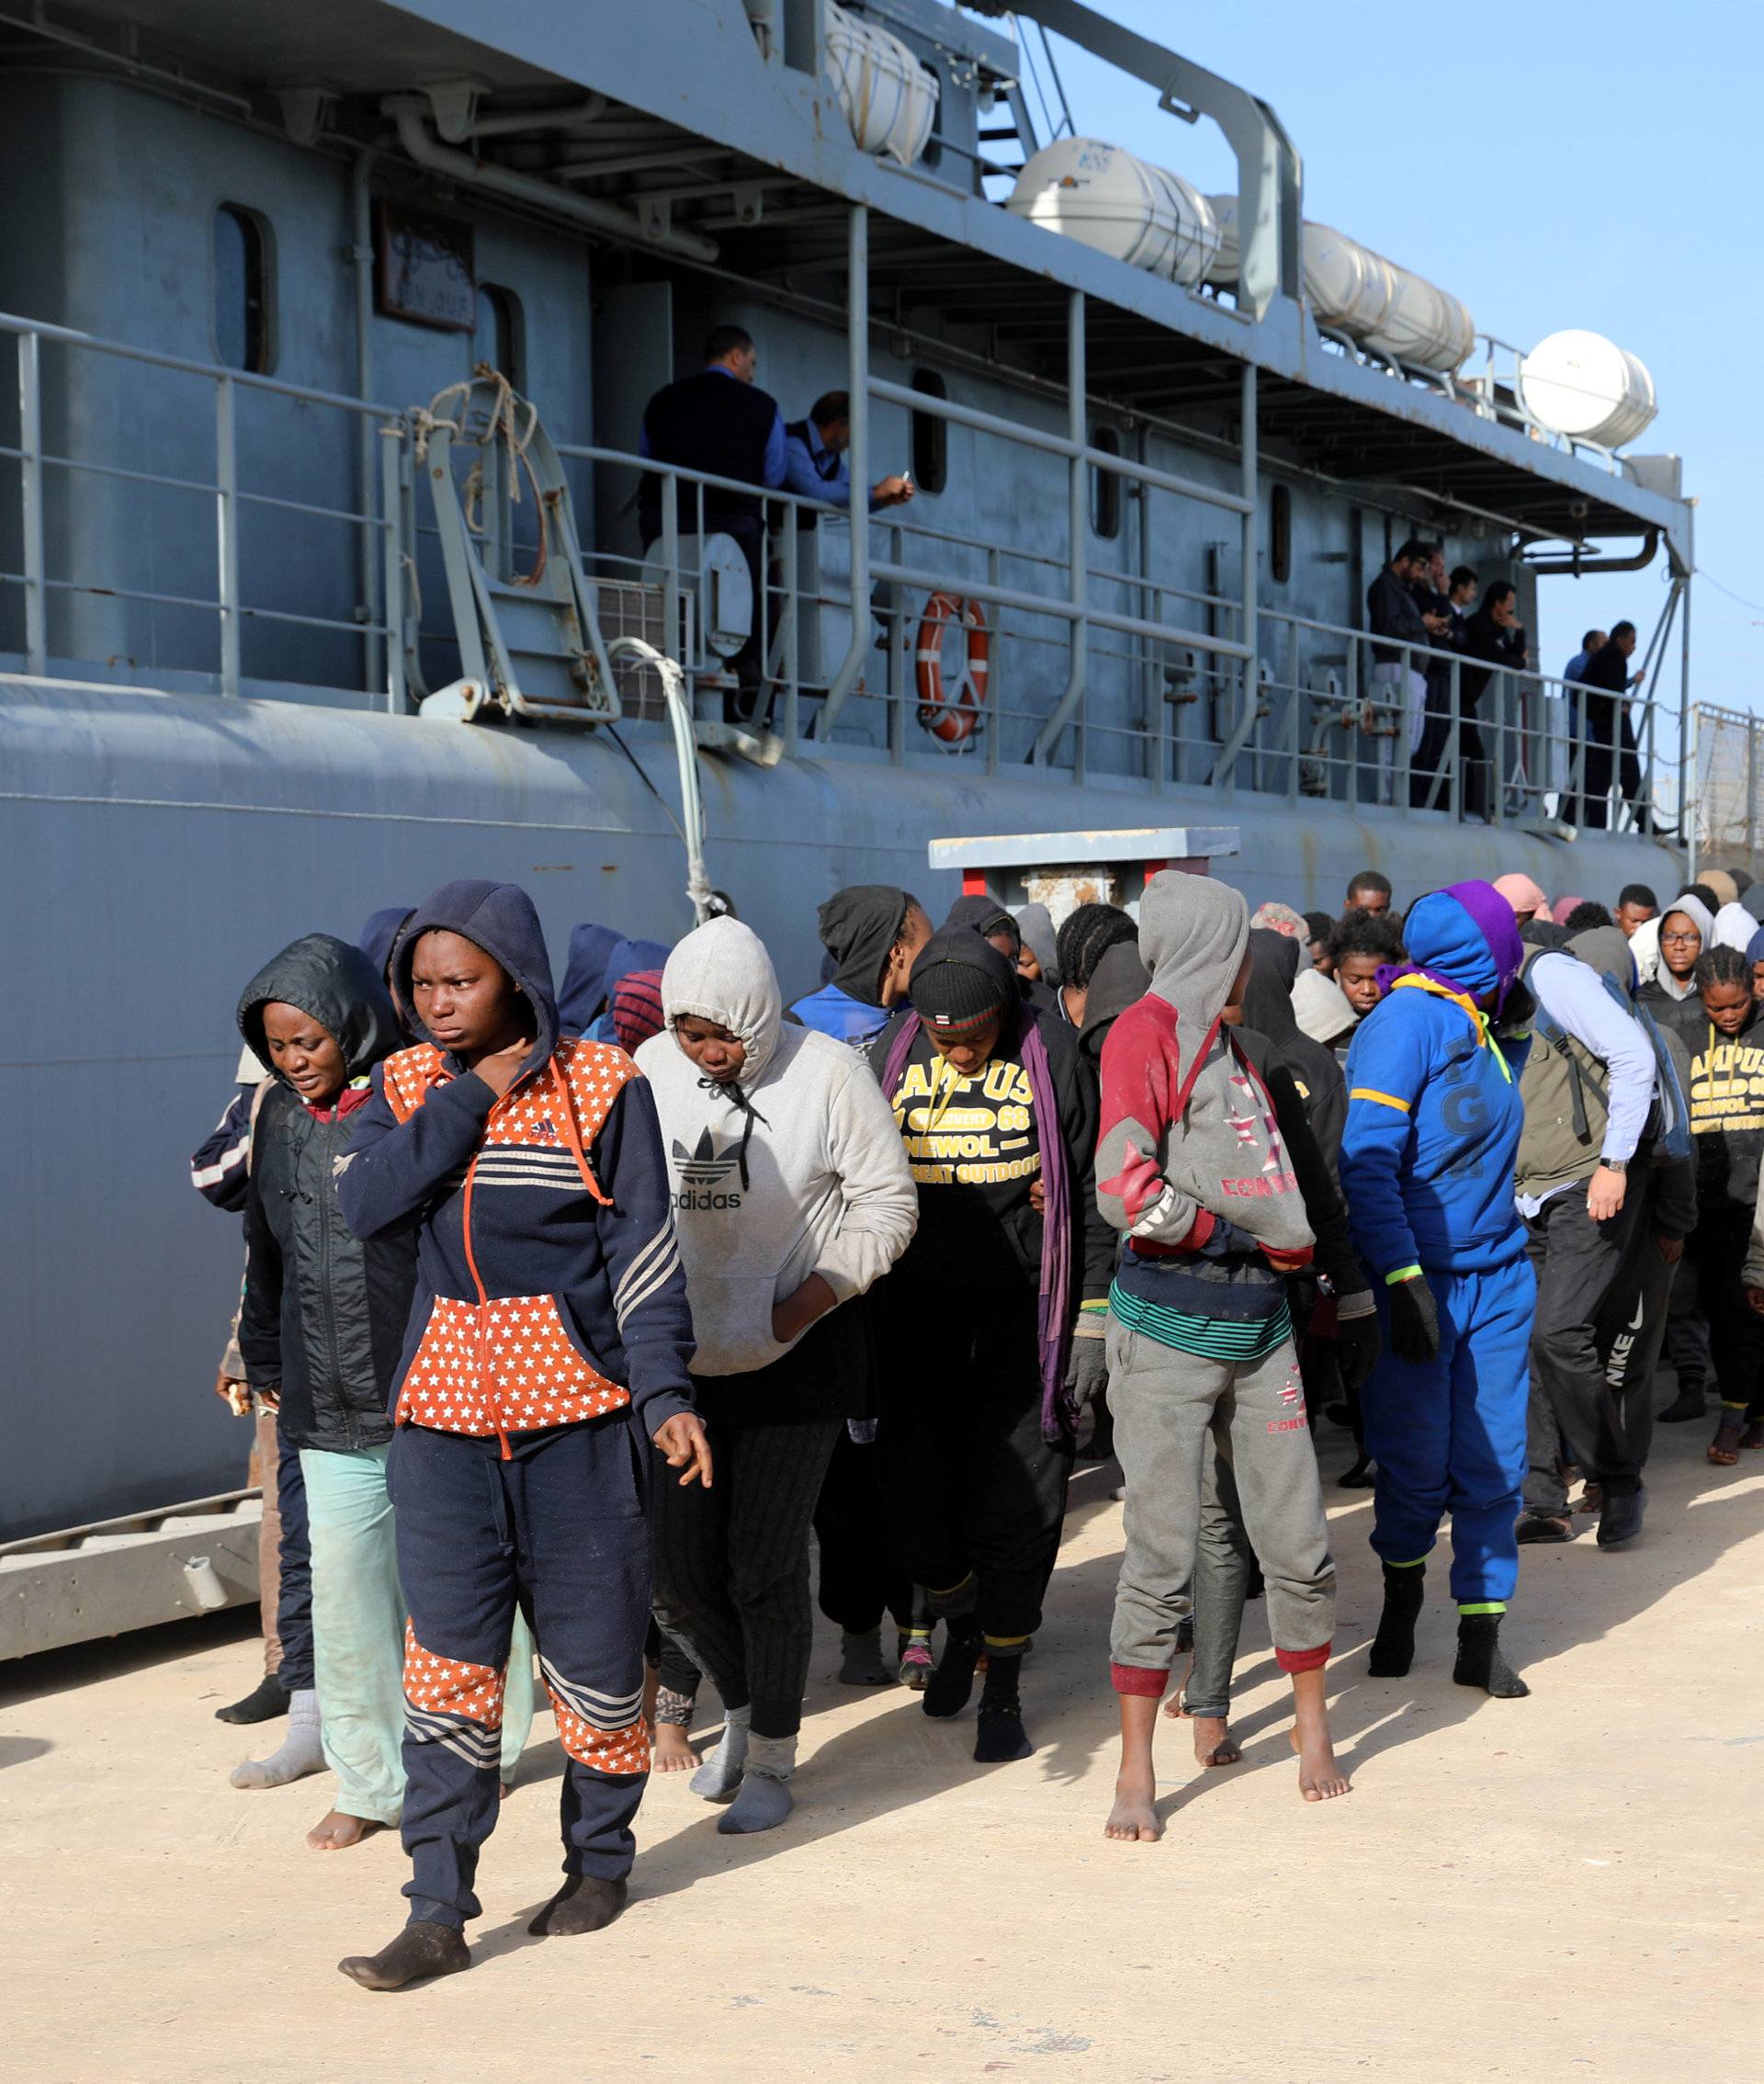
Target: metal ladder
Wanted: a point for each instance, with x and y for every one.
(530, 643)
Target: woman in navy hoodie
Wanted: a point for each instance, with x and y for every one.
(550, 1321)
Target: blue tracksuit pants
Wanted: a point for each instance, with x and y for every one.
(1449, 1435)
(562, 1530)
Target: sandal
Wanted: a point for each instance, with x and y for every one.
(1724, 1449)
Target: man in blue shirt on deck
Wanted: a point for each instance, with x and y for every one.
(814, 457)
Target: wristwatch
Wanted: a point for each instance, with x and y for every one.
(1615, 1164)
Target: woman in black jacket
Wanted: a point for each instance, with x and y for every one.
(322, 1329)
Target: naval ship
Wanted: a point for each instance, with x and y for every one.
(323, 576)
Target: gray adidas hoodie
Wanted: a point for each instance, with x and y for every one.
(801, 1171)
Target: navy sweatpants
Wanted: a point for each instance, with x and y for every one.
(1449, 1434)
(294, 1598)
(561, 1529)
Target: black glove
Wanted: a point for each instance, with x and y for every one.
(1414, 1321)
(1358, 1343)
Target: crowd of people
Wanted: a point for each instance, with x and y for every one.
(571, 1314)
(1430, 627)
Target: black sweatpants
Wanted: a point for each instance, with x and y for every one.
(861, 1577)
(1631, 1330)
(1718, 1246)
(1578, 1263)
(559, 1530)
(972, 1490)
(731, 1565)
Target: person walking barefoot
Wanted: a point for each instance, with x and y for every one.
(1192, 1170)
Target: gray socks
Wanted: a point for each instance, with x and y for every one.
(722, 1773)
(302, 1750)
(763, 1800)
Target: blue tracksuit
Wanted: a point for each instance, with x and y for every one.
(1434, 1125)
(548, 1341)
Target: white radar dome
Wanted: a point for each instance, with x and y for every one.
(1584, 385)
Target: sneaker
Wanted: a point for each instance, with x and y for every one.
(916, 1666)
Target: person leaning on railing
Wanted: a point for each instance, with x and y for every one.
(1608, 732)
(1394, 614)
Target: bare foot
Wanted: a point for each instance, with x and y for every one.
(1134, 1819)
(1214, 1743)
(335, 1832)
(1319, 1778)
(672, 1753)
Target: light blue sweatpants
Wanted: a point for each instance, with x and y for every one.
(358, 1636)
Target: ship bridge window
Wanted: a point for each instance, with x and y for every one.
(929, 435)
(1279, 534)
(1105, 487)
(242, 290)
(499, 334)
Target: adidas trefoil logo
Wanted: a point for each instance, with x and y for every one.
(704, 1165)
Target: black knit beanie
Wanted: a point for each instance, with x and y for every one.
(955, 997)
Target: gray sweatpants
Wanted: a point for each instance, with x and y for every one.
(1165, 1404)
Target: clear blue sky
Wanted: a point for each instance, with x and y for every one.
(1556, 165)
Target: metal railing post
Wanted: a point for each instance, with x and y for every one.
(995, 686)
(857, 386)
(30, 486)
(900, 660)
(391, 562)
(226, 517)
(1687, 785)
(1076, 538)
(791, 654)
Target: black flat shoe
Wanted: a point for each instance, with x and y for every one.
(265, 1701)
(1620, 1517)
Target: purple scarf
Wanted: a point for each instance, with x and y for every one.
(1058, 1412)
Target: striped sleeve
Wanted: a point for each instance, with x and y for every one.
(218, 1172)
(642, 1257)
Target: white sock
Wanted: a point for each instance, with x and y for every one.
(302, 1750)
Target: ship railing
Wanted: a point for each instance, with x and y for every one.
(254, 477)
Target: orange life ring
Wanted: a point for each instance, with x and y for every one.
(952, 722)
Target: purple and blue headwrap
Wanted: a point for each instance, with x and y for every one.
(1485, 911)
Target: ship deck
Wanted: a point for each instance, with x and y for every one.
(1569, 1883)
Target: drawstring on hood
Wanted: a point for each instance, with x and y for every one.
(721, 973)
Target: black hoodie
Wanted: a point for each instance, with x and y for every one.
(1268, 1008)
(859, 925)
(323, 1315)
(980, 1235)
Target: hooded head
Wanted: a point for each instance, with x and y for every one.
(960, 984)
(1606, 950)
(1276, 918)
(585, 989)
(859, 926)
(379, 933)
(1267, 997)
(334, 983)
(721, 973)
(1321, 1009)
(1035, 923)
(986, 916)
(1543, 933)
(499, 918)
(1564, 909)
(1735, 927)
(1118, 981)
(1465, 937)
(1525, 898)
(1193, 935)
(627, 960)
